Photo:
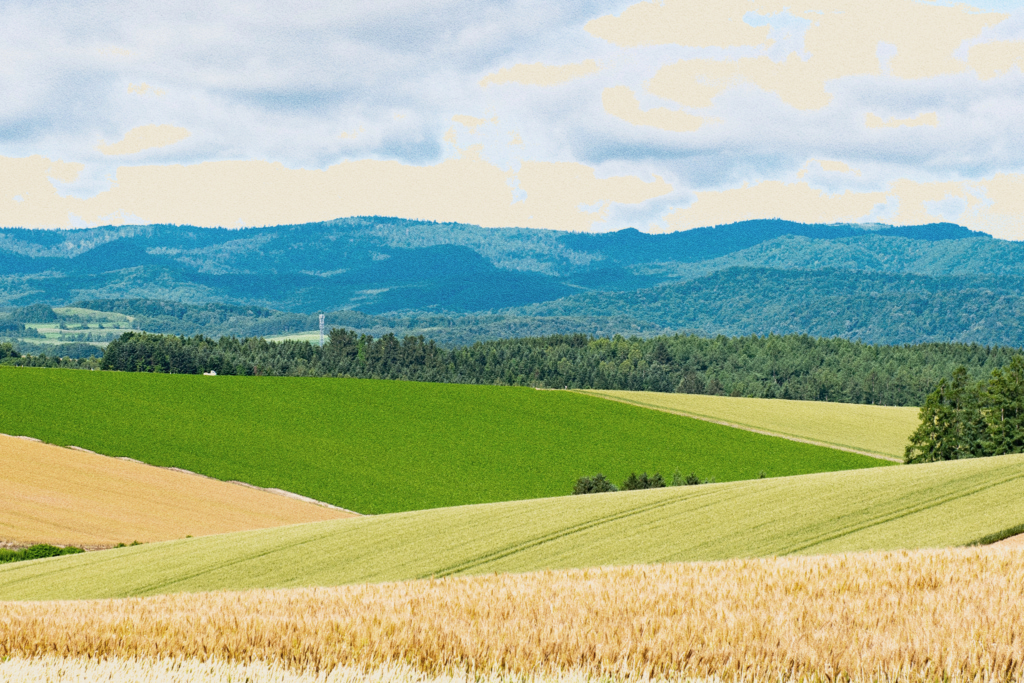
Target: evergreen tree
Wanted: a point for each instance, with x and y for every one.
(635, 483)
(1005, 408)
(7, 351)
(595, 484)
(952, 423)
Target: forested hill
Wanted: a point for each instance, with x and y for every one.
(873, 307)
(380, 265)
(876, 283)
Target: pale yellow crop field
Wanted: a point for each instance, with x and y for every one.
(921, 615)
(882, 430)
(68, 497)
(932, 505)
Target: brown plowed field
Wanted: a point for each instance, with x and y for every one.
(70, 497)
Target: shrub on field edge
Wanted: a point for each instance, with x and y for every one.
(595, 484)
(635, 483)
(599, 484)
(35, 552)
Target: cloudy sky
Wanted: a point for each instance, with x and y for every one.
(587, 115)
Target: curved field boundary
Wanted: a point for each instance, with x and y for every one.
(379, 446)
(916, 506)
(809, 422)
(64, 496)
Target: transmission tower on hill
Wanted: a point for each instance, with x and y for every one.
(321, 329)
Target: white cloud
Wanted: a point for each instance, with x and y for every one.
(141, 138)
(707, 96)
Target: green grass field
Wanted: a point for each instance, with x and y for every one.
(313, 337)
(884, 430)
(93, 316)
(916, 506)
(385, 446)
(114, 325)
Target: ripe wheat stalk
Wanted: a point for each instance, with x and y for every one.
(953, 614)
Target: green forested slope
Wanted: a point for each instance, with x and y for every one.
(914, 506)
(879, 308)
(461, 283)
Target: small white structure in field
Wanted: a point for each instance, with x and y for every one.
(211, 373)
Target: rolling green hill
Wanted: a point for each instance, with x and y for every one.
(385, 446)
(916, 506)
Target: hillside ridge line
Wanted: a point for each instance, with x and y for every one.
(706, 418)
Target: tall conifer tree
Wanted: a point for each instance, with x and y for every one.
(952, 423)
(1005, 408)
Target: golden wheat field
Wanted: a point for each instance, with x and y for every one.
(952, 614)
(64, 497)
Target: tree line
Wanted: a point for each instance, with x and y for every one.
(600, 484)
(963, 418)
(9, 355)
(790, 367)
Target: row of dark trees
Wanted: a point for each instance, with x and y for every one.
(600, 484)
(9, 355)
(793, 366)
(967, 419)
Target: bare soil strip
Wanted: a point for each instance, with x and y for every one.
(66, 496)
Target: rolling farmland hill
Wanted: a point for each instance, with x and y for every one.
(64, 497)
(385, 446)
(883, 430)
(915, 506)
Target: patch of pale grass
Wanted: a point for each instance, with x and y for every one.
(883, 430)
(900, 616)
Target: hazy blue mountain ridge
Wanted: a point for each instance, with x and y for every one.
(881, 308)
(876, 283)
(384, 264)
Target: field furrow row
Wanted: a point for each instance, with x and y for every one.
(918, 506)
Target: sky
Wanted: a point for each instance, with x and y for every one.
(585, 116)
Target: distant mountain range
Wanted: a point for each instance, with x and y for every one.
(937, 282)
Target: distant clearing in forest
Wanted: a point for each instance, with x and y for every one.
(62, 496)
